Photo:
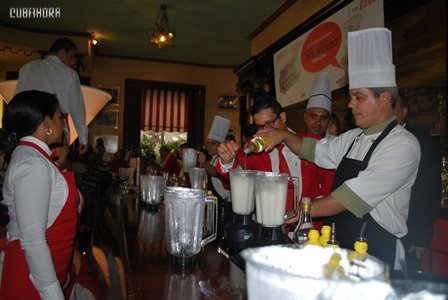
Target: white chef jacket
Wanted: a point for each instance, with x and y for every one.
(52, 76)
(35, 193)
(217, 183)
(385, 185)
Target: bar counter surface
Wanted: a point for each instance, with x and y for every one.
(137, 236)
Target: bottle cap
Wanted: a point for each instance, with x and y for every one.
(313, 234)
(326, 230)
(361, 247)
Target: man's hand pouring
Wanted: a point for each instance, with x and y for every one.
(278, 136)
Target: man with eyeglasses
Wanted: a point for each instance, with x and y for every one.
(266, 113)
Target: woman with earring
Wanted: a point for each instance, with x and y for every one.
(42, 202)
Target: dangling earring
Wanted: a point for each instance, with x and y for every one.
(49, 131)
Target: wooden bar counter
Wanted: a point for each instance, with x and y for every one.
(137, 236)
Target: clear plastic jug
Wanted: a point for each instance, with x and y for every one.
(271, 190)
(242, 187)
(198, 178)
(184, 220)
(189, 158)
(152, 189)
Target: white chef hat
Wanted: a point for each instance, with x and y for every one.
(321, 95)
(220, 128)
(370, 58)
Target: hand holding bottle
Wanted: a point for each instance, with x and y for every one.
(278, 136)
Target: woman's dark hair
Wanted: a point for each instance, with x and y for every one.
(27, 110)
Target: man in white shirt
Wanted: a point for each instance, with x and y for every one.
(376, 163)
(55, 75)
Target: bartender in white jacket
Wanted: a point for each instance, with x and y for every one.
(376, 163)
(55, 75)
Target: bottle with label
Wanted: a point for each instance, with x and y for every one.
(305, 222)
(325, 235)
(257, 145)
(444, 178)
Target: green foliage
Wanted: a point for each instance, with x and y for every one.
(147, 145)
(174, 145)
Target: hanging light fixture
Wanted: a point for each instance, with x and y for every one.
(162, 37)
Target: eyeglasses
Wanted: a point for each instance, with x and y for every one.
(268, 124)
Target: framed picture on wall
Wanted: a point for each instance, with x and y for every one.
(107, 118)
(114, 92)
(228, 101)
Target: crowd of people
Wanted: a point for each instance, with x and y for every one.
(366, 174)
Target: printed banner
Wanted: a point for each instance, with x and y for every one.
(322, 49)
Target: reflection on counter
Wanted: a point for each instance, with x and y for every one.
(138, 236)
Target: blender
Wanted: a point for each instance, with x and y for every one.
(152, 191)
(189, 158)
(198, 178)
(271, 190)
(184, 223)
(242, 228)
(314, 272)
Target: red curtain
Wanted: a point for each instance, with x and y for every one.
(164, 111)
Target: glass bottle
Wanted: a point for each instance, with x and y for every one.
(305, 222)
(257, 145)
(333, 243)
(361, 244)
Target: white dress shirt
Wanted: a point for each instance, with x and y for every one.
(52, 76)
(217, 183)
(35, 193)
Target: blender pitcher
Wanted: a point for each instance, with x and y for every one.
(184, 221)
(189, 157)
(152, 189)
(198, 178)
(242, 189)
(271, 190)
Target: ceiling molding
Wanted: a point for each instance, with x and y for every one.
(160, 60)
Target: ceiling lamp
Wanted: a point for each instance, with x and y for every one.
(162, 37)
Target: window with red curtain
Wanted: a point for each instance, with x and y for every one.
(164, 110)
